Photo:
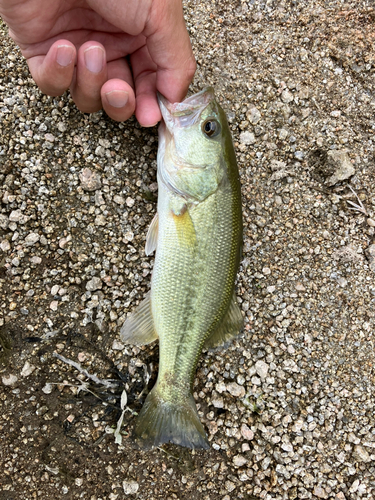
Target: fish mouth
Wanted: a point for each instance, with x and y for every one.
(187, 112)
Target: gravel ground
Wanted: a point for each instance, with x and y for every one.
(288, 406)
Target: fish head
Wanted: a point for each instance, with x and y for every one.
(191, 143)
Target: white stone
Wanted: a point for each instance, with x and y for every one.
(9, 379)
(261, 368)
(90, 181)
(236, 390)
(247, 138)
(5, 245)
(130, 487)
(246, 432)
(94, 284)
(27, 369)
(239, 460)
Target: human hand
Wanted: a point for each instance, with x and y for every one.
(83, 45)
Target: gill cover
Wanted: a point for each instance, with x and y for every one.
(191, 146)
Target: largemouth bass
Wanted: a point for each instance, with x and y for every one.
(197, 235)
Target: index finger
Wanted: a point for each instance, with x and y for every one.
(169, 46)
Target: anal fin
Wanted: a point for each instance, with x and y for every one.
(138, 328)
(229, 327)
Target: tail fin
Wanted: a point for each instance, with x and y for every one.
(165, 422)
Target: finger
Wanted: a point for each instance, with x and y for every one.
(91, 74)
(53, 72)
(169, 46)
(144, 71)
(117, 93)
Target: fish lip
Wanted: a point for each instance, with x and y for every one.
(187, 112)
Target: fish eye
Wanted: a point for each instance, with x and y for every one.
(211, 127)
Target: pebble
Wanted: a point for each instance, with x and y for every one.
(320, 492)
(54, 305)
(90, 181)
(130, 487)
(339, 161)
(35, 260)
(247, 138)
(27, 369)
(261, 368)
(47, 388)
(253, 115)
(130, 201)
(246, 432)
(117, 345)
(239, 460)
(287, 96)
(94, 284)
(9, 379)
(360, 454)
(31, 239)
(5, 245)
(236, 390)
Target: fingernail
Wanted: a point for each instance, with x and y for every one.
(117, 98)
(94, 59)
(64, 55)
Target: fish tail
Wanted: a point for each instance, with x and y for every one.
(167, 422)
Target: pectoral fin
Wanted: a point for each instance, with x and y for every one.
(185, 228)
(152, 235)
(138, 328)
(229, 327)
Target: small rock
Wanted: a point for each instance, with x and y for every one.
(287, 96)
(5, 245)
(48, 388)
(94, 284)
(300, 287)
(212, 427)
(90, 180)
(229, 486)
(320, 492)
(371, 222)
(261, 368)
(49, 137)
(253, 115)
(55, 289)
(35, 260)
(9, 380)
(54, 305)
(117, 345)
(239, 460)
(236, 390)
(130, 487)
(247, 138)
(130, 201)
(339, 162)
(360, 454)
(27, 369)
(15, 216)
(217, 402)
(347, 254)
(246, 432)
(100, 220)
(31, 239)
(4, 221)
(119, 199)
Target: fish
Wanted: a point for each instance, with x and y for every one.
(197, 235)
